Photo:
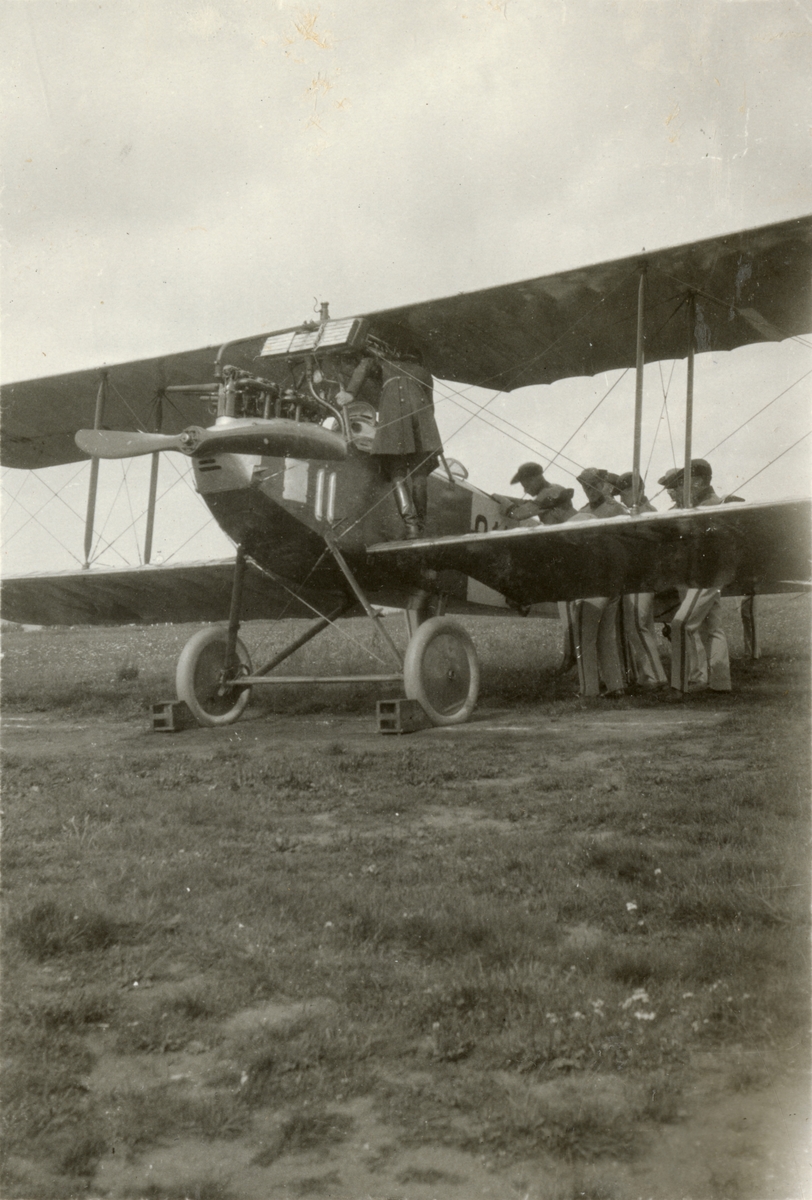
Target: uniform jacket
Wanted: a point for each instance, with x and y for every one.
(645, 504)
(604, 507)
(552, 505)
(707, 497)
(406, 422)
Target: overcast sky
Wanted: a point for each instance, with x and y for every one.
(183, 173)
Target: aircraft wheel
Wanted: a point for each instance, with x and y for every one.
(441, 670)
(199, 678)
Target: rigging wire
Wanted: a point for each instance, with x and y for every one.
(52, 535)
(132, 516)
(665, 390)
(135, 416)
(456, 396)
(54, 494)
(479, 409)
(587, 417)
(178, 549)
(111, 544)
(181, 478)
(334, 623)
(773, 460)
(35, 518)
(651, 340)
(518, 428)
(512, 438)
(760, 411)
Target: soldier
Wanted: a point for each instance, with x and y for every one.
(699, 652)
(624, 490)
(552, 504)
(406, 440)
(595, 620)
(747, 608)
(646, 668)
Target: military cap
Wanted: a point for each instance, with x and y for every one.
(528, 470)
(593, 477)
(671, 479)
(700, 466)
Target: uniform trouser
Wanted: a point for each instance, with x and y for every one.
(597, 644)
(699, 653)
(747, 612)
(641, 640)
(568, 657)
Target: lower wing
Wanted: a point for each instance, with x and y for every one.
(152, 595)
(742, 548)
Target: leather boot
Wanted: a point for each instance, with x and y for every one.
(420, 499)
(406, 509)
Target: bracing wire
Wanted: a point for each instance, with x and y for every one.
(479, 409)
(110, 545)
(652, 338)
(760, 411)
(125, 402)
(666, 387)
(181, 478)
(55, 495)
(504, 433)
(133, 518)
(35, 518)
(190, 538)
(589, 415)
(334, 623)
(774, 460)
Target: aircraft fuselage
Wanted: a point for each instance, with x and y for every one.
(281, 510)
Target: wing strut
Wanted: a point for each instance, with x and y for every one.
(93, 485)
(153, 484)
(689, 400)
(638, 389)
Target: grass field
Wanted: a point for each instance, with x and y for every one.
(560, 952)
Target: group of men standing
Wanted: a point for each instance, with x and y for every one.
(611, 639)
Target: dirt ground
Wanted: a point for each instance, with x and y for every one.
(723, 1146)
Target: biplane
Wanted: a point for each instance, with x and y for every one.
(287, 473)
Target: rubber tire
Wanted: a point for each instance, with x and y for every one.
(441, 670)
(199, 664)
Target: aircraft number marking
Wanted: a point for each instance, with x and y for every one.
(325, 483)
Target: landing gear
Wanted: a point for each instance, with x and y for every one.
(203, 681)
(441, 670)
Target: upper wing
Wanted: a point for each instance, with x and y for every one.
(743, 547)
(41, 416)
(150, 595)
(751, 286)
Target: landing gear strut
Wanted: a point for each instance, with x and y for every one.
(440, 669)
